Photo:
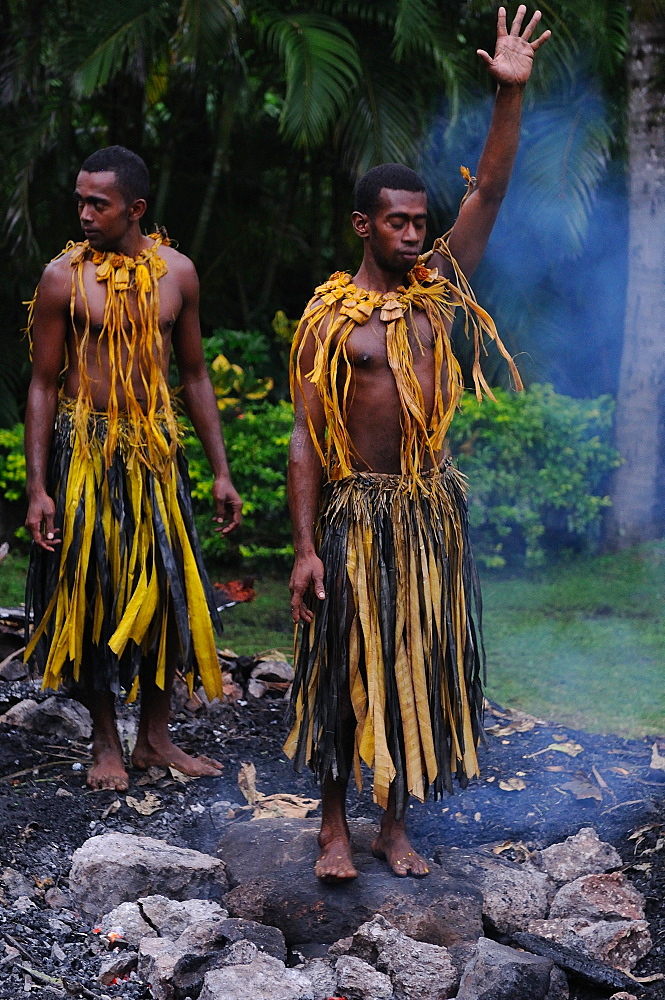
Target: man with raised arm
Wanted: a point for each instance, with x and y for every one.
(383, 584)
(116, 581)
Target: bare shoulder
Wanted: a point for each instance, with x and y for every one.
(56, 280)
(180, 266)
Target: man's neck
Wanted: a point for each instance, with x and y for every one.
(375, 279)
(131, 244)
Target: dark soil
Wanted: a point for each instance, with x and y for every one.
(46, 812)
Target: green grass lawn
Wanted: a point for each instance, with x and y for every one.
(582, 643)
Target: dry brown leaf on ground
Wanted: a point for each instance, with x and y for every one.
(570, 748)
(111, 809)
(582, 787)
(523, 726)
(179, 776)
(657, 761)
(247, 783)
(512, 784)
(147, 806)
(271, 654)
(284, 804)
(518, 848)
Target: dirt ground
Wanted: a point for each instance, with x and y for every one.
(538, 786)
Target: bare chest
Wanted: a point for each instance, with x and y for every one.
(97, 309)
(367, 350)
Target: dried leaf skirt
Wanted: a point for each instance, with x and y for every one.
(128, 577)
(396, 633)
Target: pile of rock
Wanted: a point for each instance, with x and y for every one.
(254, 922)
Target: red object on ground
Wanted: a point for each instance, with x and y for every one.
(236, 591)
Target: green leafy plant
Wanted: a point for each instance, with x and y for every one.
(537, 464)
(12, 463)
(257, 442)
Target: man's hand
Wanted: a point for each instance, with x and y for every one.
(307, 571)
(513, 56)
(39, 521)
(228, 505)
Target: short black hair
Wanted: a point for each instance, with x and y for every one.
(394, 176)
(130, 170)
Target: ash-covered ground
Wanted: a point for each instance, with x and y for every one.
(540, 783)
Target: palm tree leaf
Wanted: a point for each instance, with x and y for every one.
(205, 28)
(322, 68)
(131, 34)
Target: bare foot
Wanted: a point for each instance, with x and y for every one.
(163, 753)
(335, 862)
(394, 847)
(108, 768)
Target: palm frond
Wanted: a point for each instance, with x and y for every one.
(321, 66)
(385, 120)
(205, 29)
(131, 34)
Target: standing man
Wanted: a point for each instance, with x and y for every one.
(383, 585)
(116, 581)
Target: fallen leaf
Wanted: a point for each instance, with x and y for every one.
(599, 778)
(283, 804)
(177, 775)
(657, 761)
(583, 788)
(657, 977)
(556, 767)
(111, 809)
(228, 654)
(152, 776)
(247, 783)
(524, 726)
(571, 748)
(516, 846)
(512, 785)
(147, 806)
(271, 654)
(620, 770)
(641, 830)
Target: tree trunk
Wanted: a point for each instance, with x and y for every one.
(637, 495)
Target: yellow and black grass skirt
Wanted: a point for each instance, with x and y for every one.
(128, 575)
(397, 631)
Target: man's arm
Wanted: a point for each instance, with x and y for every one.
(200, 402)
(48, 338)
(304, 487)
(511, 68)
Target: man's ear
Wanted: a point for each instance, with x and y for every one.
(137, 209)
(361, 224)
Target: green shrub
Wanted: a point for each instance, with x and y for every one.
(12, 463)
(257, 442)
(537, 465)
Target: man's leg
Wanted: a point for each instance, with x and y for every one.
(154, 747)
(108, 769)
(335, 862)
(394, 846)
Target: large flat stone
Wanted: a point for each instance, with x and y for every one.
(270, 866)
(120, 867)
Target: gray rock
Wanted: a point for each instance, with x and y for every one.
(117, 965)
(619, 943)
(599, 897)
(176, 968)
(417, 970)
(170, 917)
(512, 894)
(23, 904)
(13, 670)
(56, 899)
(321, 974)
(125, 923)
(14, 885)
(436, 909)
(623, 996)
(356, 980)
(500, 973)
(265, 978)
(116, 867)
(582, 854)
(558, 985)
(54, 715)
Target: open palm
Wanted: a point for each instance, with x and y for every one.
(513, 55)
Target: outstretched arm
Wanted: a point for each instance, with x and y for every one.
(200, 402)
(48, 350)
(511, 68)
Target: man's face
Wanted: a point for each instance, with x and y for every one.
(103, 210)
(396, 231)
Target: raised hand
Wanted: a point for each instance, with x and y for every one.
(513, 55)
